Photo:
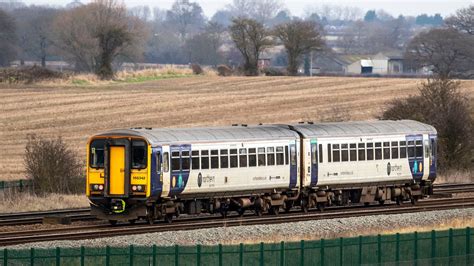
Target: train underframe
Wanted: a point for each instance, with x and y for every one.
(271, 202)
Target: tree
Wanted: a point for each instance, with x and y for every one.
(370, 16)
(250, 38)
(299, 38)
(463, 21)
(203, 48)
(7, 39)
(186, 17)
(446, 51)
(441, 104)
(260, 10)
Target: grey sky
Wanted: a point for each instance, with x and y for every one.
(299, 7)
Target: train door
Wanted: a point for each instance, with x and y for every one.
(117, 167)
(165, 189)
(293, 165)
(156, 181)
(180, 162)
(314, 162)
(433, 149)
(415, 156)
(426, 156)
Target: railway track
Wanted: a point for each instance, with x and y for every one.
(453, 188)
(98, 231)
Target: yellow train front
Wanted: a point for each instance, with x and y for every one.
(119, 171)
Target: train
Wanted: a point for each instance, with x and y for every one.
(157, 174)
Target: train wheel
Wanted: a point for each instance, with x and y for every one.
(414, 201)
(169, 218)
(304, 206)
(223, 213)
(113, 222)
(241, 212)
(132, 221)
(381, 202)
(320, 206)
(275, 210)
(150, 220)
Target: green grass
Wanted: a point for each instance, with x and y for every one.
(80, 82)
(152, 78)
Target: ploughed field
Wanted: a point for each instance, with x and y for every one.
(76, 112)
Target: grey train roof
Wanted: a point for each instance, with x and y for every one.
(364, 128)
(272, 132)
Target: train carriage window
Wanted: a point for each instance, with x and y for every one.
(427, 149)
(261, 157)
(214, 159)
(403, 149)
(243, 157)
(175, 161)
(158, 162)
(224, 159)
(195, 160)
(353, 152)
(386, 150)
(96, 157)
(419, 149)
(361, 151)
(314, 159)
(166, 164)
(139, 154)
(279, 156)
(329, 153)
(336, 156)
(205, 159)
(252, 157)
(320, 151)
(344, 153)
(234, 162)
(370, 151)
(378, 151)
(271, 156)
(185, 160)
(287, 158)
(394, 149)
(293, 155)
(411, 149)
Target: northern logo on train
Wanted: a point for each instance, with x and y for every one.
(389, 168)
(199, 180)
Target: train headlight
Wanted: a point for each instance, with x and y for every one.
(96, 187)
(101, 187)
(140, 188)
(134, 188)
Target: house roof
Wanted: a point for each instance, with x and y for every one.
(390, 55)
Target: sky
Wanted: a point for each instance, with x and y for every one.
(300, 7)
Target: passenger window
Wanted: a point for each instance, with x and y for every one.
(361, 151)
(96, 157)
(261, 157)
(287, 158)
(403, 149)
(411, 149)
(320, 153)
(185, 160)
(205, 159)
(329, 153)
(335, 153)
(271, 156)
(243, 157)
(314, 159)
(158, 162)
(195, 160)
(344, 153)
(252, 157)
(378, 151)
(394, 150)
(353, 152)
(224, 159)
(139, 154)
(175, 161)
(214, 159)
(166, 164)
(419, 149)
(370, 151)
(233, 158)
(279, 156)
(427, 149)
(386, 150)
(293, 155)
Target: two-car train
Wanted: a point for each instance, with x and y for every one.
(145, 173)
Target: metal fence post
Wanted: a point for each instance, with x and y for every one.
(220, 254)
(379, 249)
(341, 251)
(83, 253)
(415, 234)
(397, 249)
(262, 261)
(433, 247)
(241, 254)
(468, 245)
(32, 256)
(176, 255)
(322, 251)
(302, 253)
(154, 255)
(5, 256)
(282, 253)
(130, 251)
(360, 250)
(198, 255)
(107, 255)
(58, 256)
(450, 245)
(21, 185)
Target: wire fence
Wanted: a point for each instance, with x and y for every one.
(22, 185)
(450, 247)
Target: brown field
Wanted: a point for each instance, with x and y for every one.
(76, 112)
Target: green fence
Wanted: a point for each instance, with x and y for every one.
(452, 247)
(17, 185)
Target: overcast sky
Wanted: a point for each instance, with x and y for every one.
(298, 7)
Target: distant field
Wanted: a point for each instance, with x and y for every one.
(76, 112)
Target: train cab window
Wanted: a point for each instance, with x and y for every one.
(214, 159)
(96, 156)
(205, 159)
(394, 149)
(166, 164)
(419, 149)
(287, 158)
(403, 149)
(252, 157)
(411, 149)
(293, 155)
(270, 156)
(314, 157)
(243, 157)
(329, 153)
(370, 151)
(279, 156)
(336, 156)
(233, 158)
(361, 151)
(224, 159)
(378, 151)
(195, 160)
(320, 153)
(386, 150)
(344, 153)
(261, 157)
(175, 161)
(139, 154)
(185, 160)
(352, 152)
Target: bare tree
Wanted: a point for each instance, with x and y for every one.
(7, 38)
(299, 38)
(463, 20)
(251, 38)
(203, 48)
(186, 16)
(260, 10)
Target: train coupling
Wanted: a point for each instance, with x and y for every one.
(117, 205)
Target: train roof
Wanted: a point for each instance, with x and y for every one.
(364, 128)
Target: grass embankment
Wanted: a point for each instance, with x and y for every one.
(25, 202)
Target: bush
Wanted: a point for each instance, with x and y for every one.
(28, 74)
(223, 70)
(270, 71)
(197, 69)
(53, 167)
(442, 105)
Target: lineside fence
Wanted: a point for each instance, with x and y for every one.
(450, 247)
(22, 185)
